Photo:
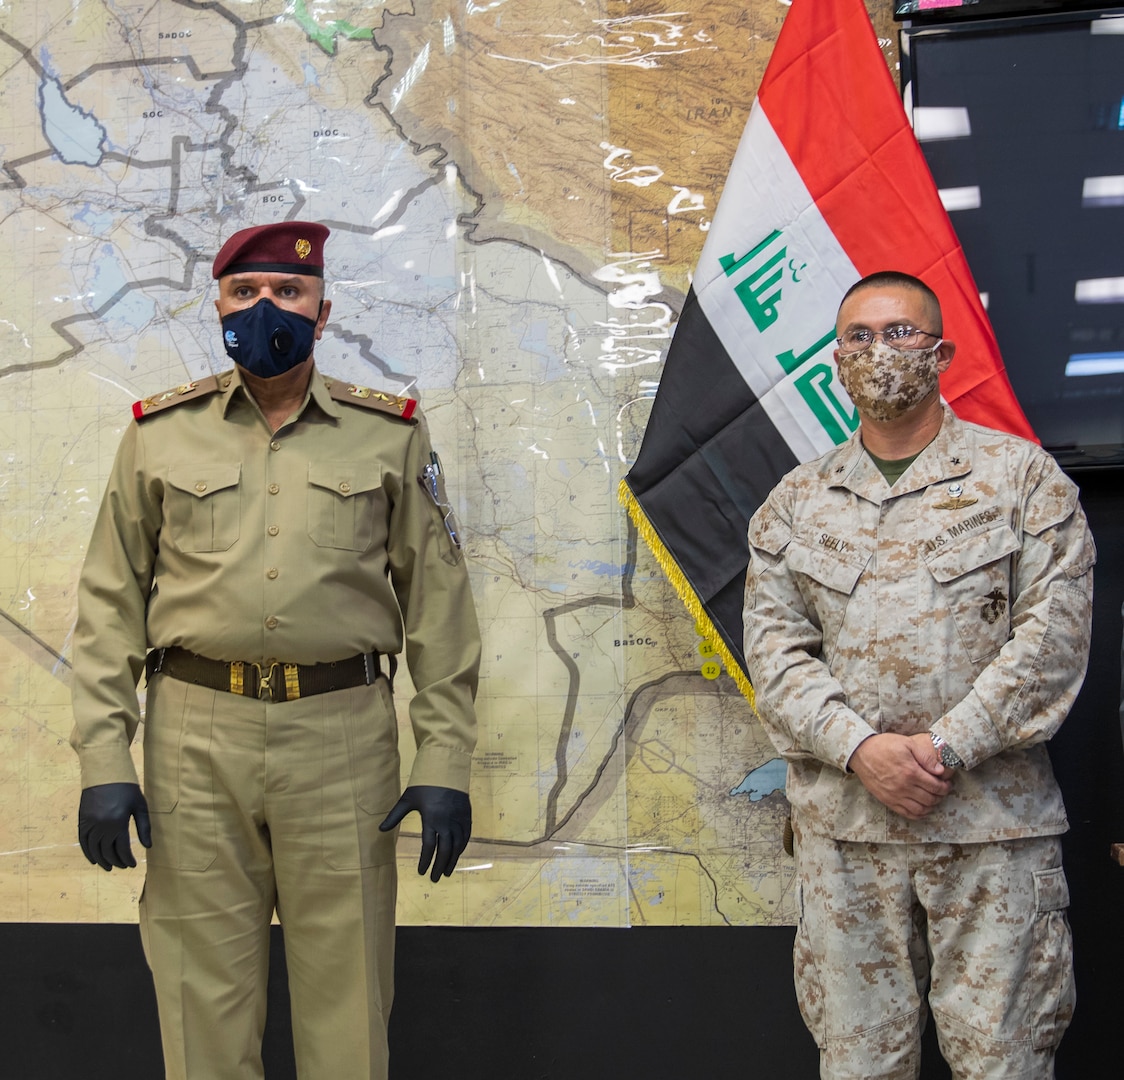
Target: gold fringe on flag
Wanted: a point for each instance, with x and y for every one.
(679, 581)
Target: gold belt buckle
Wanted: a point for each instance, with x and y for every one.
(264, 687)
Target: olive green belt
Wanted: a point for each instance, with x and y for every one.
(276, 680)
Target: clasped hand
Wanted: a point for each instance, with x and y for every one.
(903, 772)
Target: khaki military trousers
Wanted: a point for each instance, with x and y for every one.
(258, 807)
(979, 930)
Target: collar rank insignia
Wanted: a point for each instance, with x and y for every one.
(956, 500)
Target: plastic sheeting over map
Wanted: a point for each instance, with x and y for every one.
(516, 195)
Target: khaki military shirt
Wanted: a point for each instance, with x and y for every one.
(311, 544)
(957, 601)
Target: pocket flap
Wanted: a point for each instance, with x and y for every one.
(203, 480)
(1051, 891)
(836, 570)
(972, 552)
(345, 478)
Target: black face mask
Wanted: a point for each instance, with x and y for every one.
(267, 340)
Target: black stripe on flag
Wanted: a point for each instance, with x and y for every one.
(709, 457)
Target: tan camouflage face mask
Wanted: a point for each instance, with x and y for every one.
(885, 382)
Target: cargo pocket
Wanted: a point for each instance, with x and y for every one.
(177, 777)
(1051, 966)
(203, 506)
(360, 776)
(344, 498)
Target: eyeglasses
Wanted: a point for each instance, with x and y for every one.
(900, 335)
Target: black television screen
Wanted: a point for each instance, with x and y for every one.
(944, 10)
(1022, 123)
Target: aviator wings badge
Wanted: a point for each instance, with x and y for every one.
(956, 500)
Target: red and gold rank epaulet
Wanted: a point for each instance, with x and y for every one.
(176, 396)
(402, 407)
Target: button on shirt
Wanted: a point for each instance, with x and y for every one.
(313, 544)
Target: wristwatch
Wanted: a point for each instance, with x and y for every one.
(948, 756)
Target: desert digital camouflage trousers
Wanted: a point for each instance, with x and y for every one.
(975, 932)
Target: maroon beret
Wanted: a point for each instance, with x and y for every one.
(287, 247)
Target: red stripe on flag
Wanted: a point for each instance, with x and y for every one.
(832, 102)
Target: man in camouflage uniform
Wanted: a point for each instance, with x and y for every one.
(917, 620)
(272, 539)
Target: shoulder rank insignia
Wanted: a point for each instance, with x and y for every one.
(176, 396)
(402, 407)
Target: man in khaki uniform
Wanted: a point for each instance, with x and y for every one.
(917, 621)
(274, 538)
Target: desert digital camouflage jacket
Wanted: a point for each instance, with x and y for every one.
(957, 601)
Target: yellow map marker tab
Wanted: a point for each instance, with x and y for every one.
(706, 648)
(711, 669)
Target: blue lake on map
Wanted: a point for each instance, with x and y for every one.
(763, 780)
(75, 135)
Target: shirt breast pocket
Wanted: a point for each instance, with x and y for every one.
(203, 506)
(344, 498)
(973, 578)
(827, 579)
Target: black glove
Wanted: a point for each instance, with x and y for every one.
(103, 823)
(446, 825)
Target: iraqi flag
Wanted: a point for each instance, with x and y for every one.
(828, 185)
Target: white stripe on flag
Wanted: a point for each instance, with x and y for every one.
(769, 281)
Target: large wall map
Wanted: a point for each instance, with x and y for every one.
(517, 192)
